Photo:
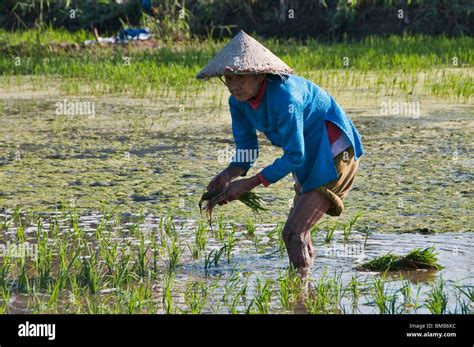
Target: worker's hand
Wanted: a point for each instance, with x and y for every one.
(220, 182)
(236, 189)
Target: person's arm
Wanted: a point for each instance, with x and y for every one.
(245, 138)
(291, 128)
(222, 179)
(246, 143)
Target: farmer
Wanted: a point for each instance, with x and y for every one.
(320, 143)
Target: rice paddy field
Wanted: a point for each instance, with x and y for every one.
(106, 151)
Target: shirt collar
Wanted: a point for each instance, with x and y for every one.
(258, 99)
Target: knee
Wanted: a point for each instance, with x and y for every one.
(290, 233)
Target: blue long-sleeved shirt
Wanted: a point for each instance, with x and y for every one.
(291, 116)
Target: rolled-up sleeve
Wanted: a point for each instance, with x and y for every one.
(245, 138)
(291, 128)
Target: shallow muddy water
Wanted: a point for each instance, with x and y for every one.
(258, 258)
(159, 154)
(156, 155)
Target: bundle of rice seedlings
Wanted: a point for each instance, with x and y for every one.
(416, 259)
(249, 199)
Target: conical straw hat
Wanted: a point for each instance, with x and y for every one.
(244, 55)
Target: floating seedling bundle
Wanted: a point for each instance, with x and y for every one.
(212, 199)
(416, 259)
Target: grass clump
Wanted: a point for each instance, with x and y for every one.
(418, 258)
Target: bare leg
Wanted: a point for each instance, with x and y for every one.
(308, 209)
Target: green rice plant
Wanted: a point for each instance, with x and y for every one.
(384, 298)
(230, 244)
(137, 297)
(167, 223)
(174, 252)
(314, 230)
(326, 295)
(319, 301)
(5, 269)
(156, 252)
(367, 233)
(212, 199)
(466, 290)
(250, 227)
(380, 294)
(43, 260)
(22, 280)
(196, 296)
(221, 227)
(20, 232)
(201, 237)
(277, 231)
(91, 272)
(213, 257)
(230, 285)
(263, 295)
(233, 296)
(167, 300)
(347, 228)
(290, 288)
(330, 232)
(5, 295)
(141, 264)
(437, 298)
(406, 292)
(54, 295)
(122, 272)
(464, 299)
(354, 290)
(418, 258)
(5, 223)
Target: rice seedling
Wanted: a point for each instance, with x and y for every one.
(221, 228)
(314, 230)
(464, 305)
(121, 273)
(353, 287)
(290, 288)
(22, 279)
(318, 301)
(196, 296)
(233, 296)
(5, 268)
(347, 228)
(54, 295)
(409, 302)
(201, 237)
(141, 263)
(263, 296)
(250, 227)
(230, 244)
(213, 257)
(416, 259)
(331, 229)
(466, 290)
(167, 223)
(437, 298)
(277, 231)
(167, 300)
(381, 296)
(5, 295)
(212, 199)
(174, 252)
(367, 233)
(90, 274)
(43, 260)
